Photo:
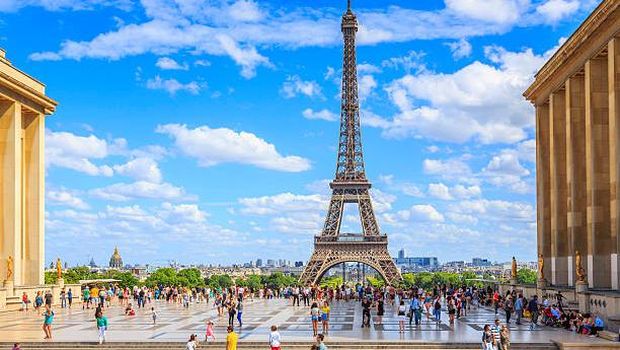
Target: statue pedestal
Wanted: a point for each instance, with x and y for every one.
(513, 282)
(541, 283)
(61, 282)
(10, 288)
(581, 287)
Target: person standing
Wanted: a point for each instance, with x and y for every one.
(86, 298)
(380, 310)
(401, 313)
(63, 299)
(437, 309)
(325, 316)
(496, 330)
(533, 309)
(232, 312)
(366, 304)
(274, 338)
(414, 305)
(487, 338)
(231, 339)
(48, 318)
(314, 317)
(102, 326)
(209, 333)
(48, 298)
(153, 314)
(70, 297)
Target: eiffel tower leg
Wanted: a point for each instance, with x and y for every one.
(310, 275)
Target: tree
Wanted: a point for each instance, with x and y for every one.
(190, 278)
(526, 276)
(126, 279)
(375, 282)
(254, 282)
(166, 276)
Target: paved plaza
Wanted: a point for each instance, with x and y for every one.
(176, 323)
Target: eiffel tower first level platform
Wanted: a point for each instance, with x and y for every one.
(350, 185)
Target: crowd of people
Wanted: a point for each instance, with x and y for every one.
(410, 306)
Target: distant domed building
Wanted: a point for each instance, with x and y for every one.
(116, 262)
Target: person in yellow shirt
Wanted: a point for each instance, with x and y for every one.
(94, 295)
(231, 339)
(325, 316)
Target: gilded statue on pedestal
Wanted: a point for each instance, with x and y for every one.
(541, 267)
(9, 268)
(513, 271)
(58, 269)
(579, 270)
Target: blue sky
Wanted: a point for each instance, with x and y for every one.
(204, 131)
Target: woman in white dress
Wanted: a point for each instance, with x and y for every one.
(402, 316)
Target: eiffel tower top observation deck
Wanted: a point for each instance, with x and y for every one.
(350, 163)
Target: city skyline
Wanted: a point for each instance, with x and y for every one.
(167, 146)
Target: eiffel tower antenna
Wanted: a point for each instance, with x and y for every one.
(350, 185)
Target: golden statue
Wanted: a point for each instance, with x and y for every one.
(513, 271)
(579, 270)
(9, 268)
(58, 269)
(541, 267)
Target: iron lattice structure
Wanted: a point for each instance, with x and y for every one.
(350, 185)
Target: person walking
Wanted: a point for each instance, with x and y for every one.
(232, 312)
(231, 339)
(48, 318)
(240, 313)
(102, 326)
(366, 304)
(63, 299)
(153, 315)
(519, 308)
(508, 306)
(209, 333)
(380, 311)
(496, 330)
(274, 338)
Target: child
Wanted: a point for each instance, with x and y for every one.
(153, 314)
(209, 334)
(274, 338)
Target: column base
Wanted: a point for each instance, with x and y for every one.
(513, 282)
(10, 288)
(541, 283)
(61, 282)
(581, 287)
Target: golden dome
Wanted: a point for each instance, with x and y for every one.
(116, 261)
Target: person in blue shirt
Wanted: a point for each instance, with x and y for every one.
(599, 325)
(519, 308)
(414, 310)
(48, 318)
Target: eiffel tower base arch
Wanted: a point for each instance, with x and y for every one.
(328, 255)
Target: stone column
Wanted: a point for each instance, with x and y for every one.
(575, 170)
(543, 186)
(557, 154)
(33, 197)
(10, 189)
(597, 173)
(613, 65)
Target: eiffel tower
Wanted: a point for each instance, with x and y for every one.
(350, 185)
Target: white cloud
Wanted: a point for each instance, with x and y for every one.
(556, 10)
(367, 68)
(294, 86)
(412, 62)
(460, 49)
(59, 5)
(439, 191)
(215, 146)
(445, 167)
(527, 150)
(366, 84)
(142, 168)
(323, 114)
(138, 190)
(479, 101)
(65, 198)
(168, 63)
(503, 12)
(425, 212)
(67, 150)
(172, 86)
(497, 210)
(443, 192)
(283, 202)
(245, 11)
(246, 57)
(504, 169)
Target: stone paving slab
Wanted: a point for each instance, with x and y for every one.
(175, 323)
